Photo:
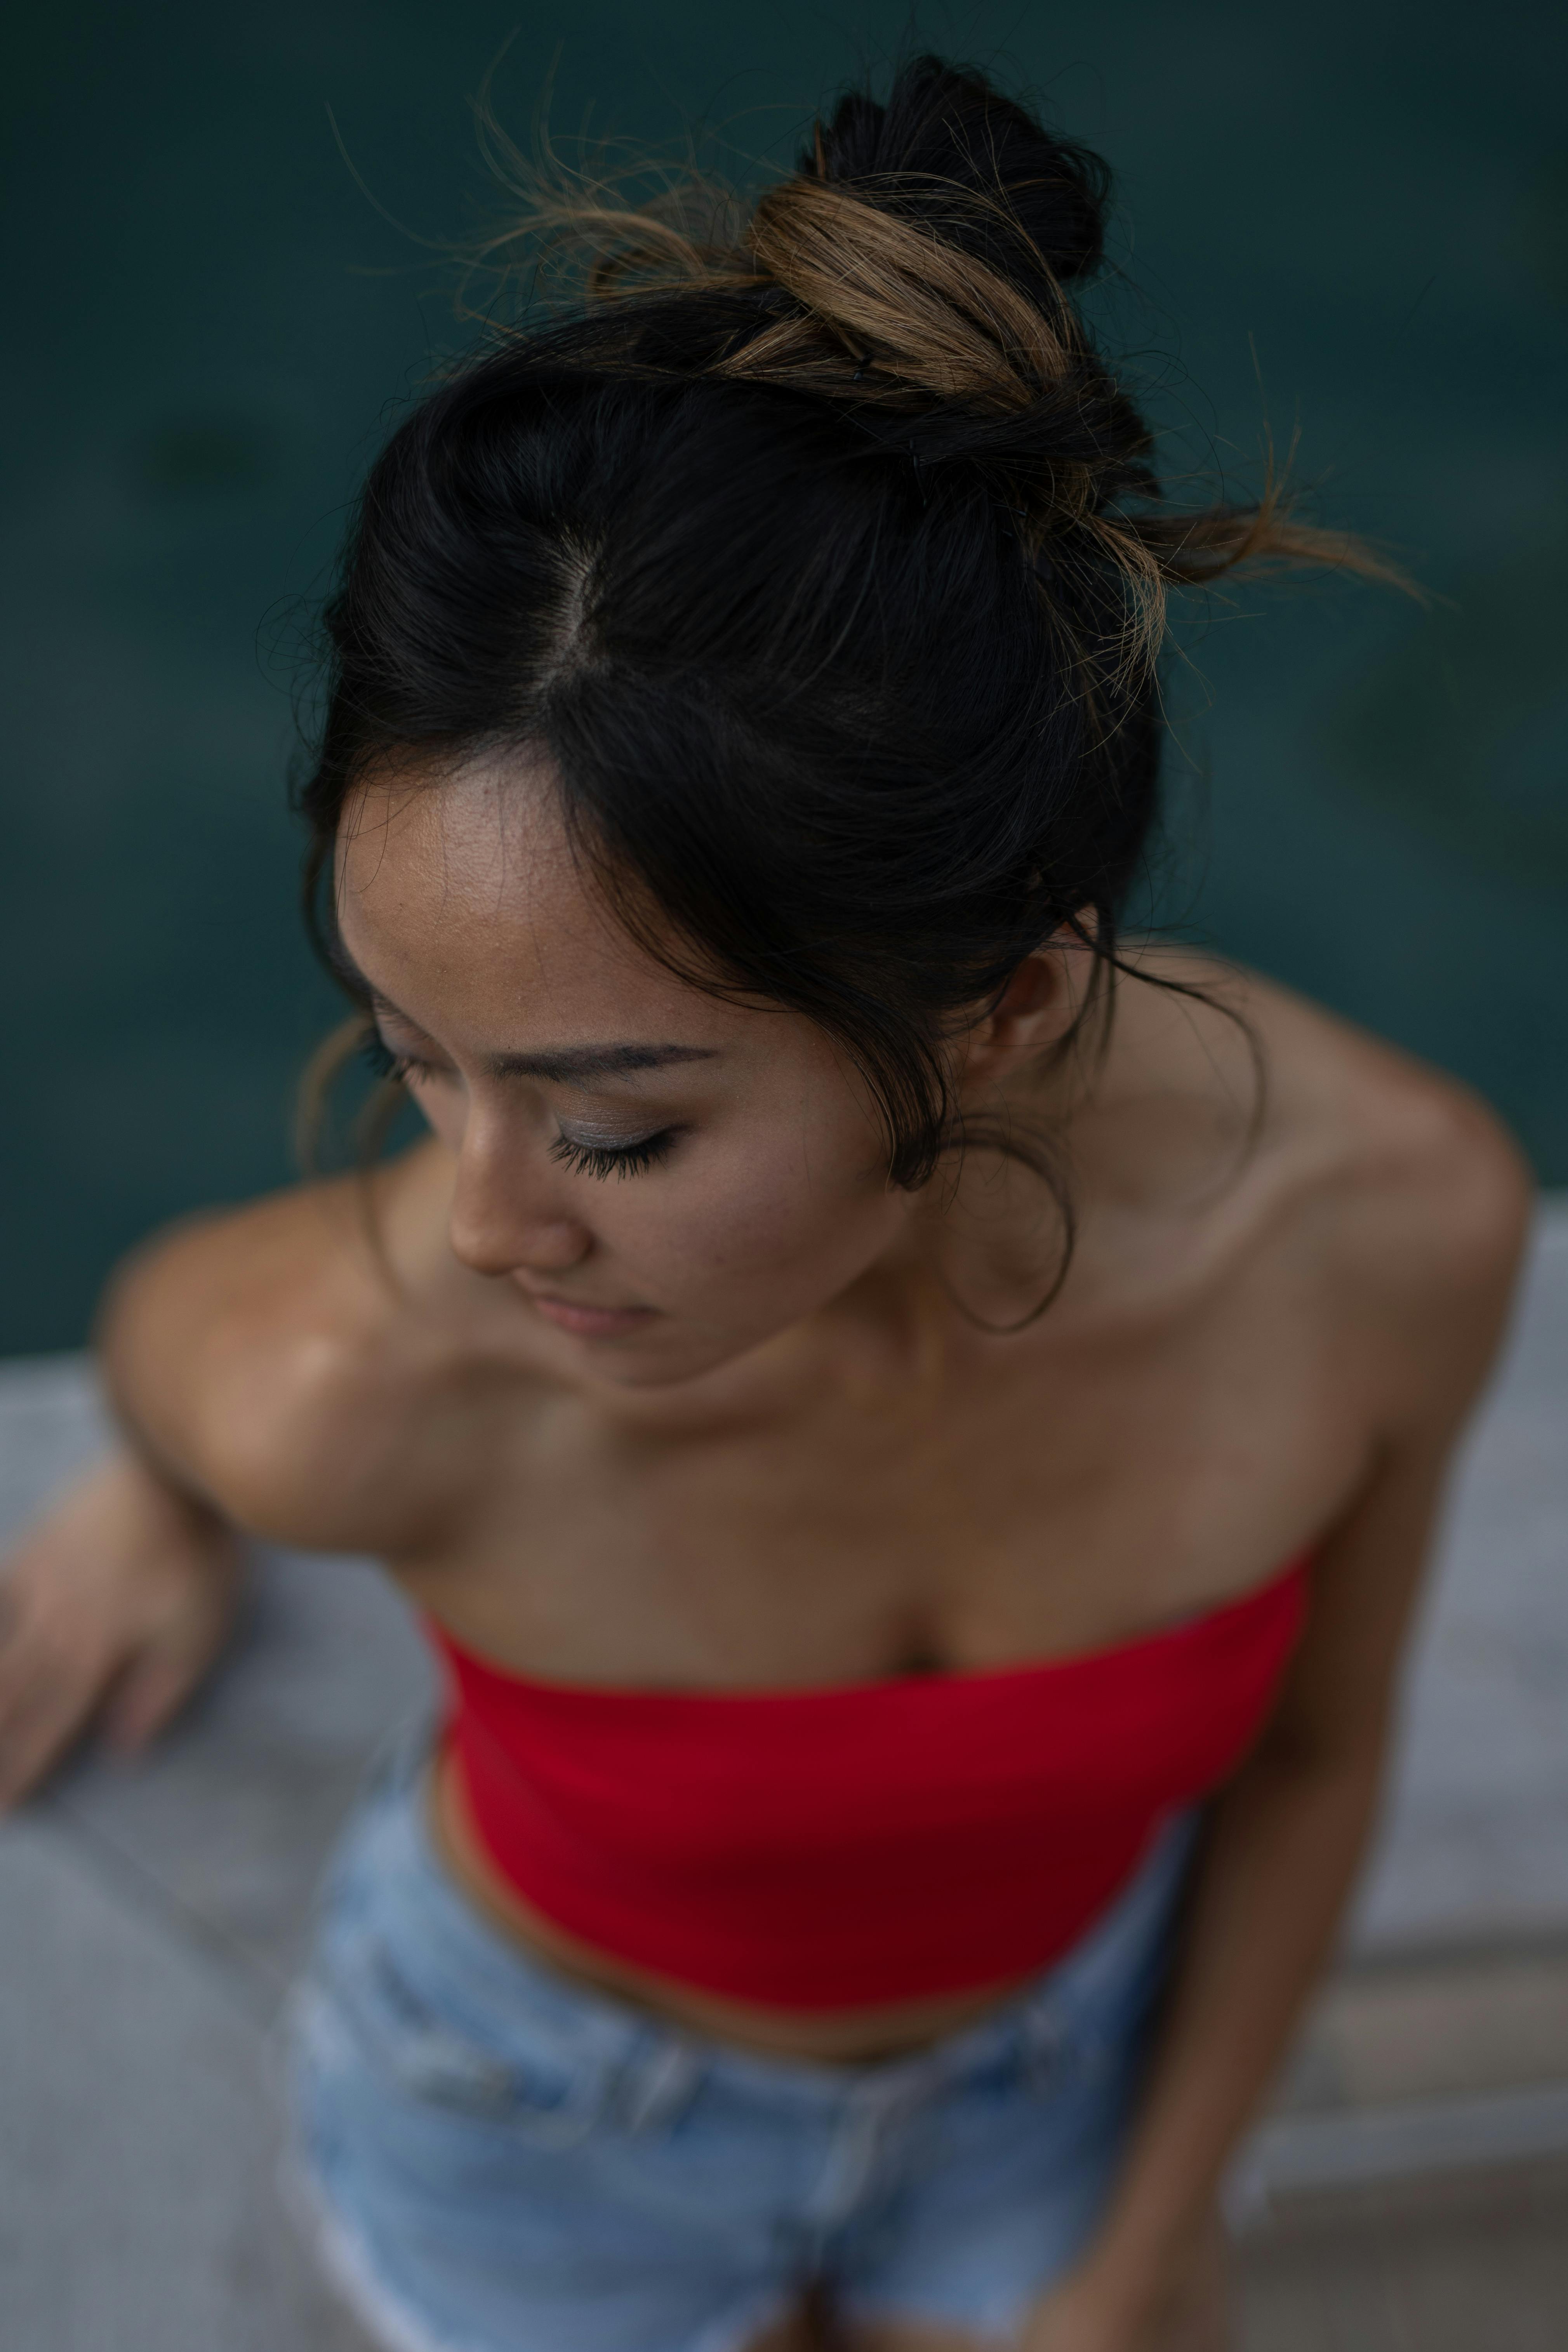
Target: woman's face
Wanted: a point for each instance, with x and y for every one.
(667, 1179)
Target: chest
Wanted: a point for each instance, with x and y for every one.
(1021, 1502)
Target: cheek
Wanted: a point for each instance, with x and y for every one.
(762, 1221)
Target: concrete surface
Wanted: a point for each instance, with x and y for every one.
(138, 2133)
(150, 1918)
(1475, 2263)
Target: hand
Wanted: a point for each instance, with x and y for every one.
(114, 1604)
(1101, 2306)
(1081, 2316)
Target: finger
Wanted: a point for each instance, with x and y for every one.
(33, 1747)
(41, 1658)
(15, 1610)
(161, 1673)
(149, 1693)
(46, 1702)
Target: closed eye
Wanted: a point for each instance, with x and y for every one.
(613, 1160)
(379, 1058)
(385, 1062)
(598, 1159)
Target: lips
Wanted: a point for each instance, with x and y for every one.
(586, 1322)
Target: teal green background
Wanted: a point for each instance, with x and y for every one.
(1352, 221)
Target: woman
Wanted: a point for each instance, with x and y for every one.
(914, 1428)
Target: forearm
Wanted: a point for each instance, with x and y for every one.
(1278, 1863)
(117, 1599)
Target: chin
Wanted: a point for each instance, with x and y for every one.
(672, 1360)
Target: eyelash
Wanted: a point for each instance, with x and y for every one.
(599, 1159)
(624, 1159)
(381, 1061)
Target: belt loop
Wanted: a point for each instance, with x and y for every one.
(873, 2114)
(1043, 2035)
(656, 2082)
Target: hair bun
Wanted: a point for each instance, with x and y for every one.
(913, 265)
(915, 273)
(921, 246)
(949, 150)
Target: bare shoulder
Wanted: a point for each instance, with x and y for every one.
(1408, 1184)
(277, 1355)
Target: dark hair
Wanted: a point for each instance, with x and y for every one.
(827, 563)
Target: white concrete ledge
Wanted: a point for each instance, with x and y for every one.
(1293, 2156)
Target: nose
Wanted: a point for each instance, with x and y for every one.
(507, 1216)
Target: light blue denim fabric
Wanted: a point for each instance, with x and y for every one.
(496, 2159)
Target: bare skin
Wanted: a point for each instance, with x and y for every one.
(729, 1420)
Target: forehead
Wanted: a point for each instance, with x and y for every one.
(450, 855)
(485, 836)
(464, 879)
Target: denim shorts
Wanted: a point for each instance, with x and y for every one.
(492, 2158)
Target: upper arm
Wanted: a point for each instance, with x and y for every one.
(1431, 1274)
(259, 1359)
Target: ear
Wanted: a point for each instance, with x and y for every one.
(1036, 1008)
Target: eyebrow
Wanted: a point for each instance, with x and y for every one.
(565, 1064)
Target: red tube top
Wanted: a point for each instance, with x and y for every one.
(867, 1843)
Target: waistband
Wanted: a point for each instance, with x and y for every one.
(1115, 1967)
